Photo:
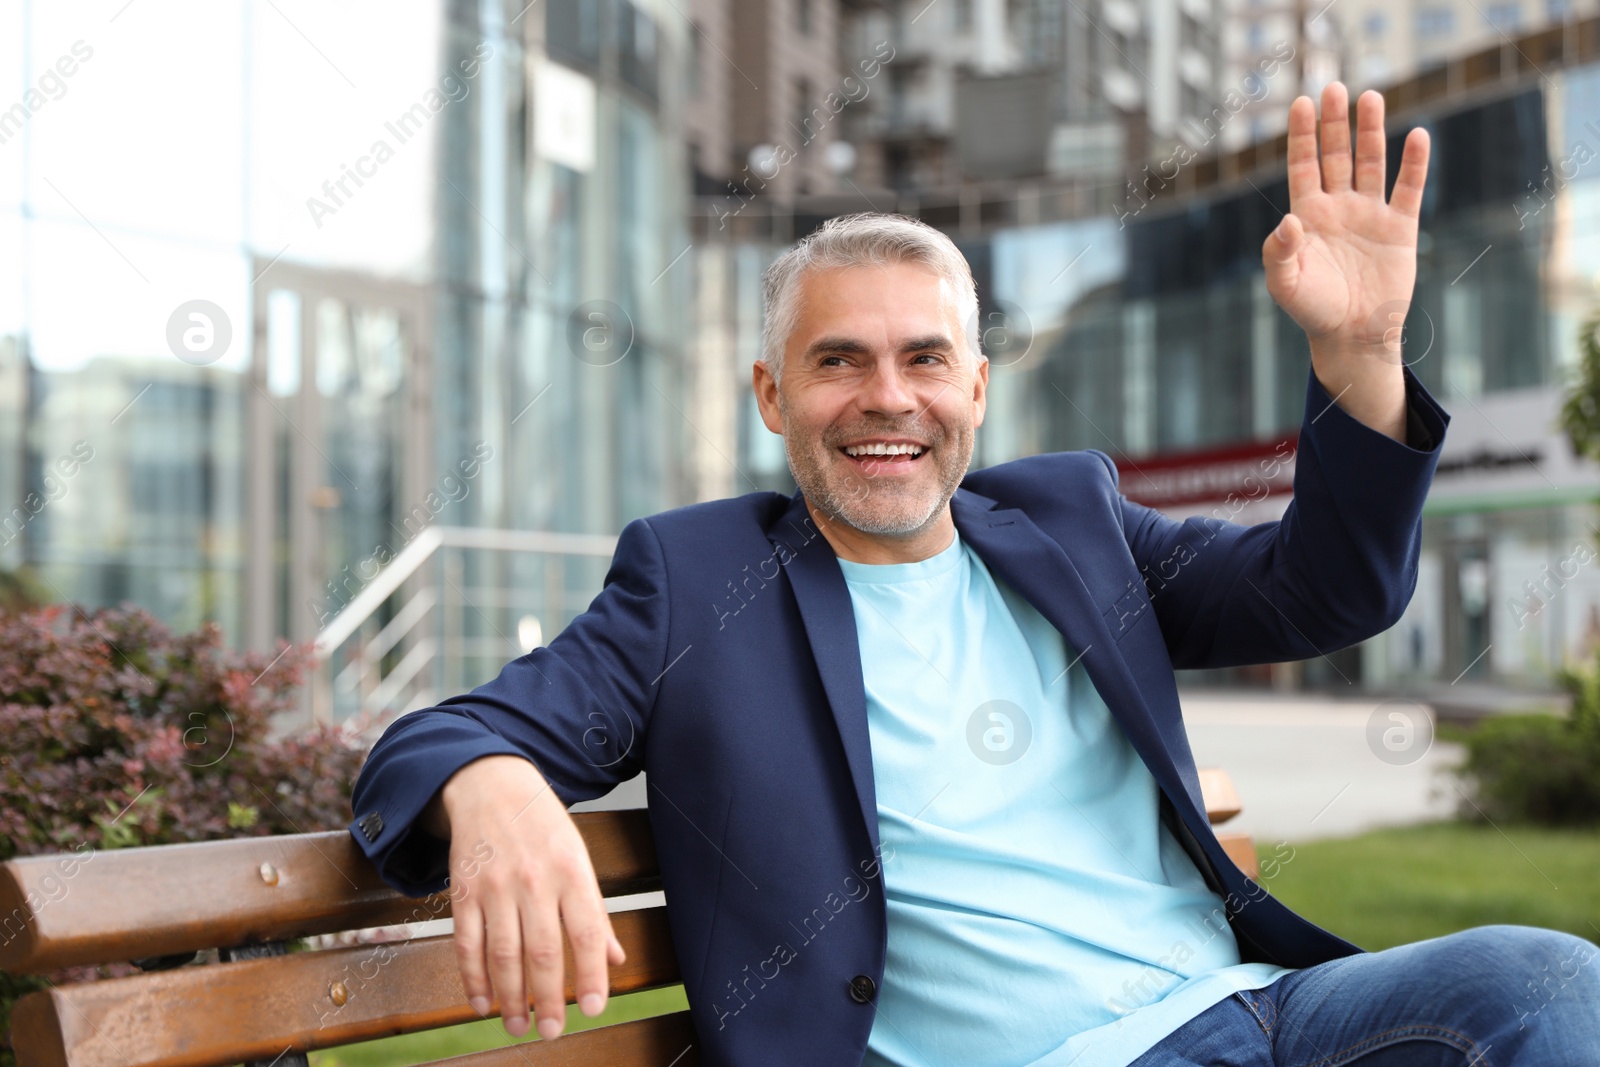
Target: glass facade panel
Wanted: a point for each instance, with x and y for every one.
(364, 205)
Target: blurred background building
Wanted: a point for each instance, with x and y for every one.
(481, 283)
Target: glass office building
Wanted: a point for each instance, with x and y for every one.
(1145, 331)
(282, 284)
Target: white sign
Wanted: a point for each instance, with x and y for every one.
(563, 116)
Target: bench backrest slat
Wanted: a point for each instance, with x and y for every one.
(255, 1009)
(126, 904)
(1221, 798)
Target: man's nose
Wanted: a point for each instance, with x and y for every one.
(887, 391)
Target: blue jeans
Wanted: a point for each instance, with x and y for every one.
(1492, 996)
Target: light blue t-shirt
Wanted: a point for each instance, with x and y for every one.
(1039, 911)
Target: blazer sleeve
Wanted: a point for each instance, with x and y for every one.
(577, 708)
(1339, 567)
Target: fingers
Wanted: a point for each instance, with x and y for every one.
(541, 937)
(1335, 138)
(1305, 178)
(516, 911)
(503, 950)
(589, 931)
(1370, 144)
(469, 939)
(1408, 184)
(522, 943)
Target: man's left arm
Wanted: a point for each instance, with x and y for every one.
(1341, 564)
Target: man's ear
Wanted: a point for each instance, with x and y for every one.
(980, 391)
(766, 390)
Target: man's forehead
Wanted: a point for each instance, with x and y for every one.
(849, 310)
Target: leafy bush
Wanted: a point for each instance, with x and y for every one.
(120, 733)
(1540, 768)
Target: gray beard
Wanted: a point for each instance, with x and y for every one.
(852, 506)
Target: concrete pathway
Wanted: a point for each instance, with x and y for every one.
(1308, 767)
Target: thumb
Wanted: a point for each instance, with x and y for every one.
(1285, 239)
(1280, 255)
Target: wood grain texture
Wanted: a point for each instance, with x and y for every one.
(139, 902)
(1222, 799)
(225, 1013)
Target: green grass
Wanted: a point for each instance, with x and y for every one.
(406, 1050)
(1391, 887)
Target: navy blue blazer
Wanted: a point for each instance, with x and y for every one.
(721, 657)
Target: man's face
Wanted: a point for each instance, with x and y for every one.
(879, 396)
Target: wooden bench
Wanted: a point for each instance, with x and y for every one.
(248, 897)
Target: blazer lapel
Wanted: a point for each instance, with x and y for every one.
(1016, 550)
(830, 622)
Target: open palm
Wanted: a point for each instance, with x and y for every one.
(1343, 262)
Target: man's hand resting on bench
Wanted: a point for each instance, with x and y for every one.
(510, 910)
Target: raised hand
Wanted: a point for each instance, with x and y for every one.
(1343, 261)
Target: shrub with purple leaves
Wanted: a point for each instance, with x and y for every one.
(119, 732)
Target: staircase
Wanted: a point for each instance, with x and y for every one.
(445, 615)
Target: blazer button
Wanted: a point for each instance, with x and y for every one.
(862, 988)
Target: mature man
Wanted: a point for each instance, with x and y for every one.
(917, 772)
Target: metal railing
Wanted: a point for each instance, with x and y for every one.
(445, 615)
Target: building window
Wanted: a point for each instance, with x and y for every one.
(1374, 24)
(802, 15)
(900, 89)
(1258, 37)
(804, 122)
(1558, 10)
(1503, 17)
(636, 49)
(572, 30)
(1435, 22)
(963, 14)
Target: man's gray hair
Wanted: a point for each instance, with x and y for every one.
(868, 238)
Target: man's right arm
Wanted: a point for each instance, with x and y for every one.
(578, 709)
(484, 780)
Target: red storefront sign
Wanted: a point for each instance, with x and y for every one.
(1253, 470)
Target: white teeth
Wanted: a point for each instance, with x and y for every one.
(878, 448)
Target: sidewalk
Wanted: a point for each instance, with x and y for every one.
(1308, 766)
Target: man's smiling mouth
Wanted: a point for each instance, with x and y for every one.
(876, 454)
